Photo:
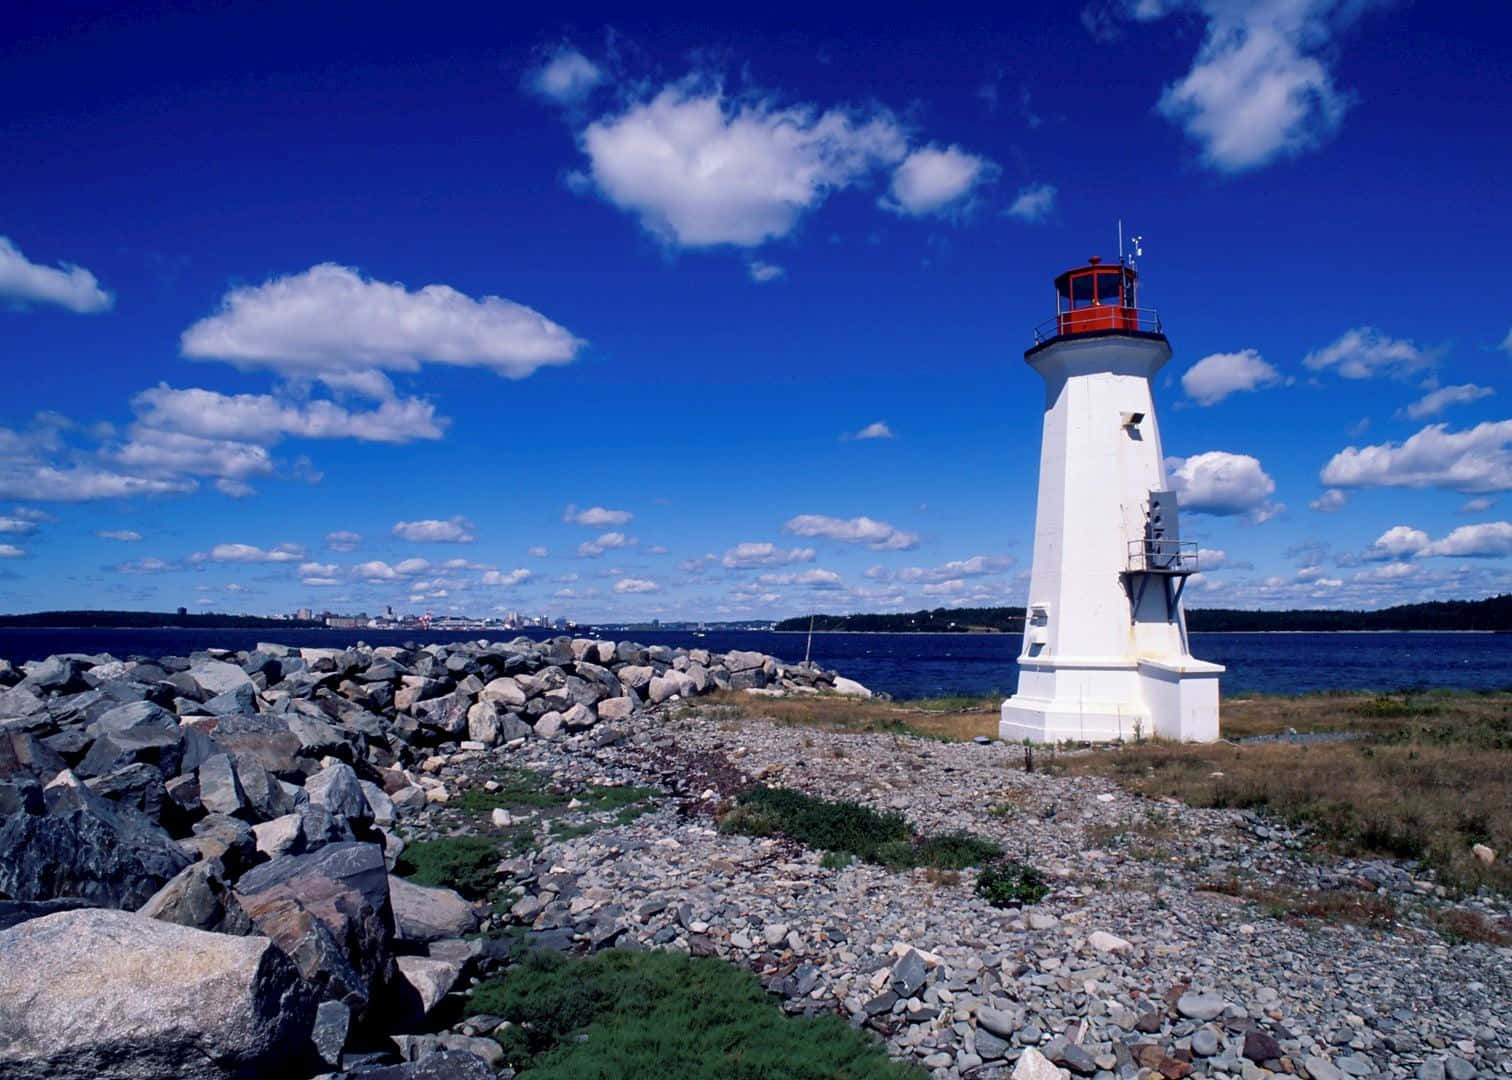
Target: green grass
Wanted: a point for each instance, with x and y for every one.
(464, 863)
(630, 1014)
(517, 788)
(848, 828)
(1009, 883)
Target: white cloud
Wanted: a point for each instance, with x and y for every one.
(1475, 461)
(376, 570)
(1488, 540)
(454, 530)
(929, 181)
(318, 569)
(658, 549)
(1390, 572)
(1506, 345)
(1436, 401)
(250, 553)
(261, 418)
(332, 324)
(71, 287)
(976, 566)
(82, 483)
(411, 567)
(537, 552)
(596, 516)
(343, 540)
(876, 430)
(1034, 203)
(149, 564)
(513, 577)
(1215, 377)
(1331, 500)
(635, 585)
(609, 541)
(762, 272)
(124, 535)
(1256, 90)
(816, 578)
(945, 588)
(1477, 505)
(567, 78)
(17, 526)
(10, 551)
(1365, 352)
(1221, 483)
(697, 170)
(1397, 541)
(878, 535)
(237, 489)
(174, 453)
(751, 553)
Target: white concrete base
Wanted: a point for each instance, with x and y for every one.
(1093, 699)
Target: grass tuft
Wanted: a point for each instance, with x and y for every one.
(464, 863)
(624, 1013)
(1010, 883)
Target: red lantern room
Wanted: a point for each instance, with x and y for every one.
(1098, 299)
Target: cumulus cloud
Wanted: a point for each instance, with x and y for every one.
(343, 540)
(172, 453)
(609, 541)
(878, 535)
(1221, 483)
(595, 516)
(82, 483)
(1331, 500)
(1259, 88)
(1397, 541)
(17, 526)
(11, 551)
(1215, 377)
(762, 272)
(1477, 505)
(816, 578)
(1436, 401)
(454, 530)
(752, 553)
(931, 181)
(976, 566)
(698, 170)
(566, 78)
(261, 418)
(1034, 203)
(945, 588)
(1475, 461)
(73, 287)
(250, 553)
(331, 323)
(1488, 540)
(512, 577)
(1365, 352)
(124, 535)
(635, 585)
(875, 430)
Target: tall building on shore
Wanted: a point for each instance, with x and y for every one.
(1105, 652)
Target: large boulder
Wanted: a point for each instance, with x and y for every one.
(423, 914)
(215, 677)
(85, 846)
(329, 910)
(95, 994)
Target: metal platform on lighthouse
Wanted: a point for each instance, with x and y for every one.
(1106, 653)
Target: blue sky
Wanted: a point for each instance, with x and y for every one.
(697, 317)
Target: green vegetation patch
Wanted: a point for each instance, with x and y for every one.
(625, 1013)
(464, 863)
(1010, 883)
(849, 828)
(517, 788)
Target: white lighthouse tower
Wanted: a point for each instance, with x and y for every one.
(1105, 651)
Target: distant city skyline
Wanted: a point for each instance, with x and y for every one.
(722, 317)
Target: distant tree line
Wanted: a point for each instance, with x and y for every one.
(1493, 613)
(140, 619)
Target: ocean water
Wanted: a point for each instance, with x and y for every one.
(926, 665)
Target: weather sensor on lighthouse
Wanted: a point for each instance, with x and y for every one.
(1105, 651)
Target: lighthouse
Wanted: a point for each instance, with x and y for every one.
(1105, 652)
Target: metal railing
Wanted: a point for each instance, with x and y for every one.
(1163, 557)
(1094, 319)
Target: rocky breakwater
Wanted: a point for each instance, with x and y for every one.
(196, 853)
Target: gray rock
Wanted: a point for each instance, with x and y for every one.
(1457, 1068)
(332, 1022)
(423, 914)
(549, 725)
(483, 723)
(1320, 1068)
(220, 792)
(178, 1002)
(1355, 1065)
(579, 718)
(284, 835)
(1075, 1058)
(1204, 1042)
(217, 677)
(615, 709)
(908, 974)
(1200, 1006)
(989, 1046)
(115, 750)
(337, 788)
(1432, 1069)
(199, 897)
(430, 980)
(1000, 1022)
(239, 699)
(1033, 1065)
(16, 912)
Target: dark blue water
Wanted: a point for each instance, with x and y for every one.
(924, 665)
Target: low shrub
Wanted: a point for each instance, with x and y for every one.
(1010, 883)
(625, 1013)
(848, 828)
(464, 863)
